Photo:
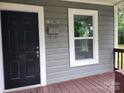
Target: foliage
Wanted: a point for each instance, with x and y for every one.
(121, 27)
(81, 28)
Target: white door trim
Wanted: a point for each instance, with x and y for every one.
(26, 8)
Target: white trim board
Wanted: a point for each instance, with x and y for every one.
(99, 2)
(116, 31)
(116, 26)
(26, 8)
(1, 62)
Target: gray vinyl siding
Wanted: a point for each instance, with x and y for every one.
(57, 48)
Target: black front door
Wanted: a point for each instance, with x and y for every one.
(20, 48)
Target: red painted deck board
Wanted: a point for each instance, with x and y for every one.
(102, 83)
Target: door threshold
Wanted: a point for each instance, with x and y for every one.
(22, 88)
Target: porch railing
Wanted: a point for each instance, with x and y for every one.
(118, 58)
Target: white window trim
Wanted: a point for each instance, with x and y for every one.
(94, 13)
(26, 8)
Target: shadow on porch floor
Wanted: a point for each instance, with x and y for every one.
(103, 83)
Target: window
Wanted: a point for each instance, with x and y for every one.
(83, 37)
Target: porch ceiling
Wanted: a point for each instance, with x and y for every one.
(121, 5)
(102, 2)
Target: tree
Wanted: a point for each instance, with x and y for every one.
(121, 27)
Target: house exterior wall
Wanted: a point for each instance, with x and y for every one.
(57, 47)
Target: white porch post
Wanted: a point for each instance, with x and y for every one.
(115, 31)
(115, 26)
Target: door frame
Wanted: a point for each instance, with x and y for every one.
(26, 8)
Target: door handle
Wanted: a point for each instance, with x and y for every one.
(37, 51)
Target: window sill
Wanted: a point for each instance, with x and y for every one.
(84, 62)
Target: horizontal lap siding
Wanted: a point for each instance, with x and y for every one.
(57, 48)
(58, 68)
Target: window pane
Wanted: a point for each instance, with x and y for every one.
(83, 26)
(83, 49)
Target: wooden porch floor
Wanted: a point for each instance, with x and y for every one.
(102, 83)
